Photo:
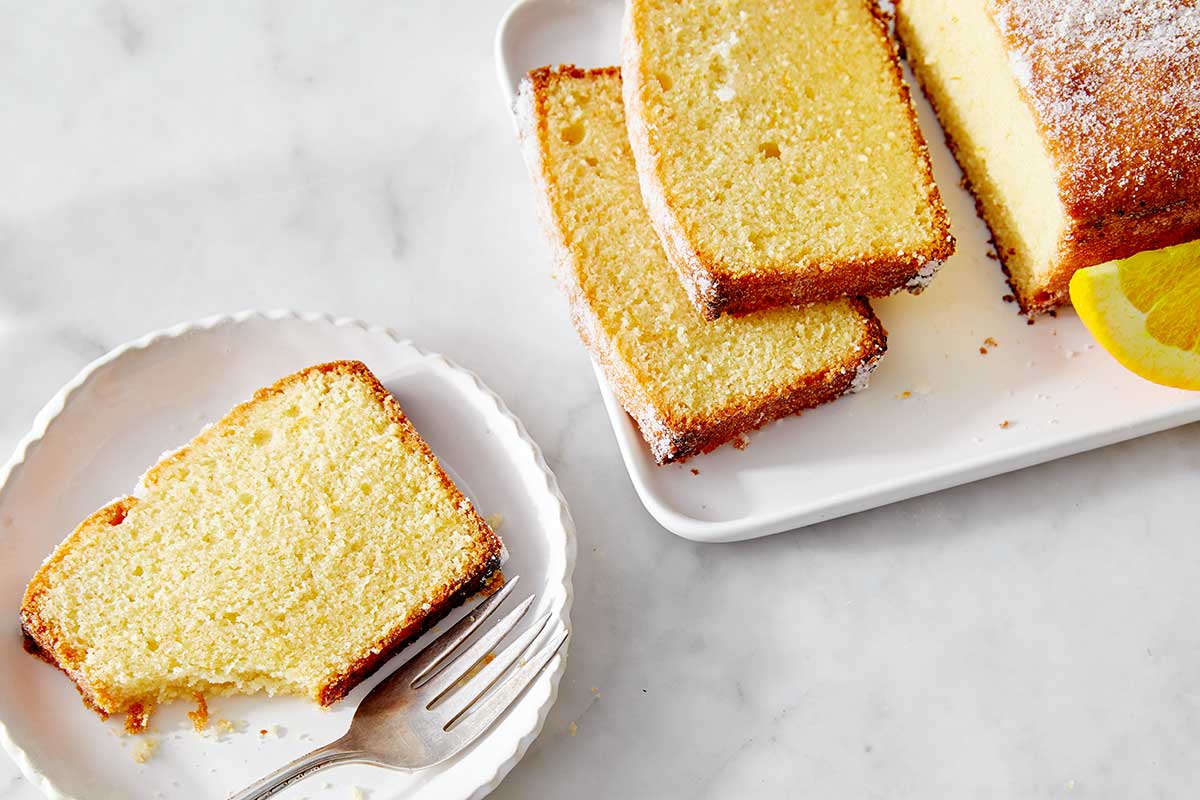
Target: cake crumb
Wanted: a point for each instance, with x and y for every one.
(144, 750)
(138, 718)
(494, 521)
(199, 717)
(595, 690)
(1005, 423)
(983, 351)
(741, 443)
(475, 670)
(1029, 321)
(904, 395)
(1008, 298)
(695, 471)
(359, 793)
(224, 726)
(990, 342)
(572, 729)
(992, 255)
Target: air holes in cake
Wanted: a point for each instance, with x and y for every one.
(365, 488)
(292, 411)
(245, 498)
(664, 80)
(573, 133)
(718, 71)
(137, 572)
(151, 645)
(591, 162)
(261, 437)
(769, 150)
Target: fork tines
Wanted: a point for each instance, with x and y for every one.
(453, 686)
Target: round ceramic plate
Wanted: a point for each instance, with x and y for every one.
(96, 436)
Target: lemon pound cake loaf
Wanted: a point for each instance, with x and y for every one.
(1077, 123)
(289, 548)
(689, 384)
(778, 151)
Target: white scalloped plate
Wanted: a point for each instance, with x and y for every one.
(95, 437)
(938, 412)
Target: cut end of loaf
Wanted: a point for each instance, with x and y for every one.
(1076, 130)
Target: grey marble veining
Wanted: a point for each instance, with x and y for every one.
(1032, 635)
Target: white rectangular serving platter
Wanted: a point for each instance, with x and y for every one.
(939, 412)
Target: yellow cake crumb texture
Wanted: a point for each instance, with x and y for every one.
(781, 133)
(280, 547)
(691, 368)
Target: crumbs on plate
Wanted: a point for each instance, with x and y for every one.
(144, 750)
(199, 717)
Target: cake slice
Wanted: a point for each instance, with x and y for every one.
(778, 151)
(290, 548)
(689, 384)
(1076, 122)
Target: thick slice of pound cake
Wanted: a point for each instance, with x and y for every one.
(778, 151)
(290, 548)
(1077, 123)
(689, 384)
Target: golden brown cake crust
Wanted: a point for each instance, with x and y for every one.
(45, 639)
(671, 438)
(714, 290)
(1115, 89)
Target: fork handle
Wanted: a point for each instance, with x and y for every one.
(301, 768)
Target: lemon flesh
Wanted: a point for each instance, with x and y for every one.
(1145, 311)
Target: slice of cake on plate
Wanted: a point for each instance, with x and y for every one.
(689, 384)
(290, 548)
(1077, 123)
(778, 151)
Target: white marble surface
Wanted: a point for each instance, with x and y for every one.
(1032, 635)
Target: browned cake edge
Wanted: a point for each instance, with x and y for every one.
(709, 286)
(44, 638)
(670, 438)
(1088, 241)
(1112, 235)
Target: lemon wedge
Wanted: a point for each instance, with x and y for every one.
(1145, 311)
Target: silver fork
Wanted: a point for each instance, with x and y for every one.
(428, 710)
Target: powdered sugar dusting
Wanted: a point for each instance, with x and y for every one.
(1116, 86)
